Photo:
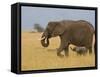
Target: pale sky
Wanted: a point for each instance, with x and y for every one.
(31, 15)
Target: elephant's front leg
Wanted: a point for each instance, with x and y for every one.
(61, 48)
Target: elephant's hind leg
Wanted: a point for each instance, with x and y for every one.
(90, 50)
(66, 50)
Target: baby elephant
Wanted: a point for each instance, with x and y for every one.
(80, 50)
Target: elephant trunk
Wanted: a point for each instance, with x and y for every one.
(45, 42)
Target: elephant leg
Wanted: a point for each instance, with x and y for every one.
(62, 47)
(59, 50)
(90, 50)
(94, 47)
(66, 51)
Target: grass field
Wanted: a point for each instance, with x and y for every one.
(36, 57)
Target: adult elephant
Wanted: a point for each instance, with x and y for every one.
(79, 33)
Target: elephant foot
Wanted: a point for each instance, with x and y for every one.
(60, 55)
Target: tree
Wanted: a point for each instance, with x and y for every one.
(38, 28)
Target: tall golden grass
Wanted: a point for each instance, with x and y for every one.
(36, 57)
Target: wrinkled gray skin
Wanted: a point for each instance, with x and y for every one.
(79, 50)
(79, 33)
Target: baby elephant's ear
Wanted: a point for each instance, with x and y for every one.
(59, 29)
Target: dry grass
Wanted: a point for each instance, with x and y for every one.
(36, 57)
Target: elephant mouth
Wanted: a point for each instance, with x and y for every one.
(45, 41)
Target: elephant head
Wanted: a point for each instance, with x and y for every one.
(53, 29)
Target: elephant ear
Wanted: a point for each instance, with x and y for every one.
(59, 29)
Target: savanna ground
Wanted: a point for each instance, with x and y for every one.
(36, 57)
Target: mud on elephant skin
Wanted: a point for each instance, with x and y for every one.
(79, 33)
(79, 50)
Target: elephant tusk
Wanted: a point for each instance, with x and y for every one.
(42, 38)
